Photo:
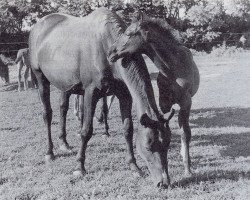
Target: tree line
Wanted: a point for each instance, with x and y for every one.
(202, 23)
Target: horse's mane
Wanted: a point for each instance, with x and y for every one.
(165, 29)
(136, 70)
(116, 24)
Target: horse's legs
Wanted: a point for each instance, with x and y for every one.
(183, 118)
(44, 92)
(7, 75)
(76, 106)
(125, 101)
(19, 68)
(90, 100)
(25, 77)
(105, 115)
(64, 106)
(33, 79)
(109, 102)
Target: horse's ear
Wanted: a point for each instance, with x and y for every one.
(145, 35)
(171, 114)
(147, 122)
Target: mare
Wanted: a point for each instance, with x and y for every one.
(178, 78)
(71, 53)
(4, 69)
(22, 60)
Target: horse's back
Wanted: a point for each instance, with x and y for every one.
(66, 48)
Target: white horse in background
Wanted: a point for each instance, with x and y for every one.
(22, 60)
(106, 104)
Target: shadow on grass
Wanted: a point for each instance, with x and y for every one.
(64, 155)
(12, 129)
(221, 117)
(236, 145)
(212, 177)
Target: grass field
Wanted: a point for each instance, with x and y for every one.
(220, 147)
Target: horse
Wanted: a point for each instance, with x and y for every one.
(22, 60)
(71, 53)
(178, 79)
(105, 106)
(4, 69)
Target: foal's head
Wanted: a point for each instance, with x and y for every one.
(141, 34)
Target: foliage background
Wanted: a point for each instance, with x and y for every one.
(202, 23)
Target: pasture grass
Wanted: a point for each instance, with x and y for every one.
(220, 150)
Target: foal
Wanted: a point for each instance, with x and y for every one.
(22, 60)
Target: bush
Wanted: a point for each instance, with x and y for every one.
(224, 50)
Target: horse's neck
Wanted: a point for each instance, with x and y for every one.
(171, 59)
(165, 66)
(137, 78)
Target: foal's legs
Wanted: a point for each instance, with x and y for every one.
(25, 77)
(183, 118)
(105, 115)
(90, 100)
(64, 106)
(33, 79)
(125, 101)
(109, 102)
(19, 68)
(44, 92)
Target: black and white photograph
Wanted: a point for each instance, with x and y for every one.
(124, 99)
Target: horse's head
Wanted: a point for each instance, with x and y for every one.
(152, 144)
(133, 40)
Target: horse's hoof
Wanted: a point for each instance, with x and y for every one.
(188, 174)
(49, 158)
(136, 171)
(65, 148)
(137, 174)
(79, 173)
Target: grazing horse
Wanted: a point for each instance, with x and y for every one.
(106, 104)
(71, 53)
(4, 69)
(178, 78)
(22, 60)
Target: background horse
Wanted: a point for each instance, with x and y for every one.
(71, 53)
(22, 60)
(4, 69)
(105, 106)
(178, 80)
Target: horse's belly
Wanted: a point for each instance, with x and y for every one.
(62, 73)
(61, 77)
